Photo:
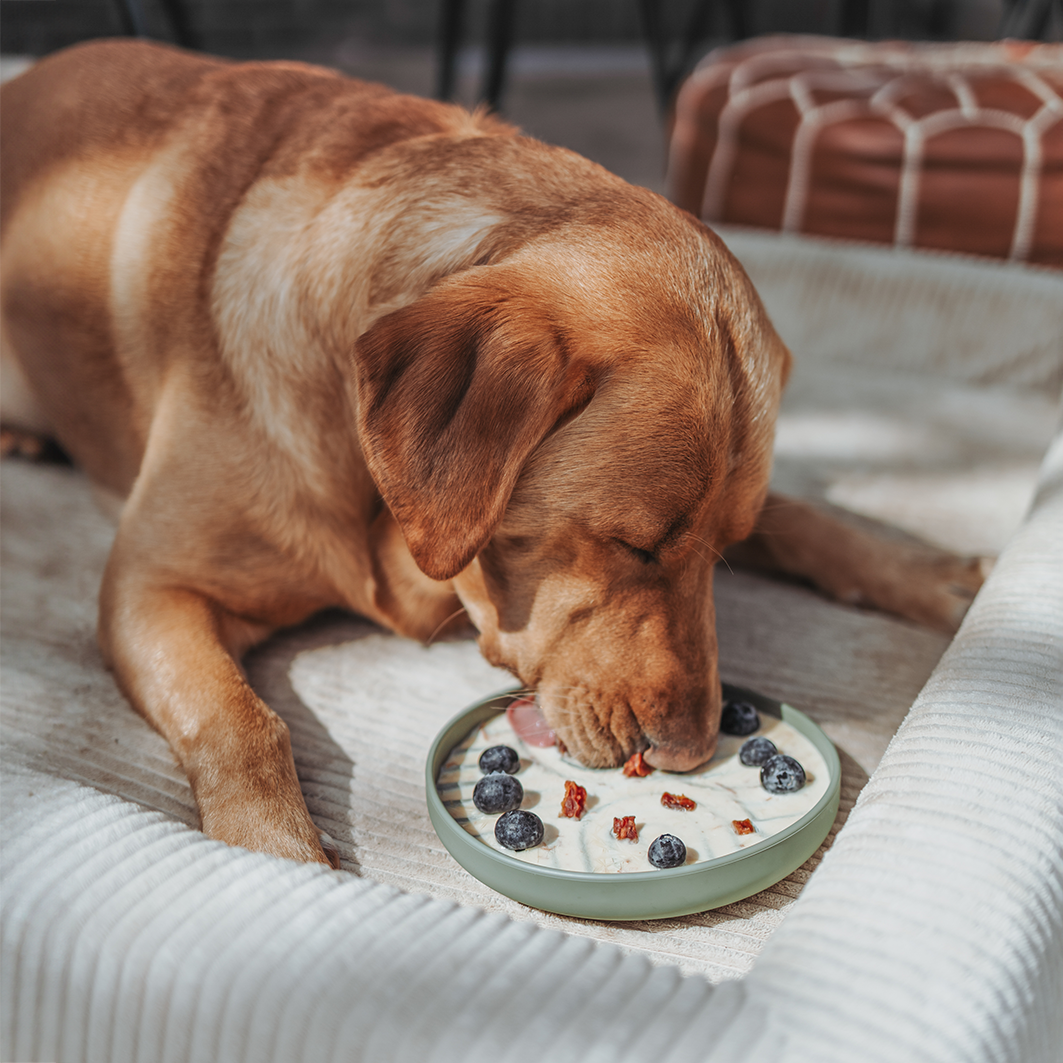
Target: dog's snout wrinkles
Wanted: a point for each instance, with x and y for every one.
(679, 758)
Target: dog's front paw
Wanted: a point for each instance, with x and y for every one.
(268, 827)
(934, 589)
(951, 584)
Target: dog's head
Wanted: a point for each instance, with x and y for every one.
(573, 436)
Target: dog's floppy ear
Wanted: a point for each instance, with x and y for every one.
(454, 393)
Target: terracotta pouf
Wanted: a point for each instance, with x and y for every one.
(951, 146)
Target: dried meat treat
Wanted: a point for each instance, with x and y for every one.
(636, 766)
(678, 801)
(574, 803)
(743, 826)
(624, 827)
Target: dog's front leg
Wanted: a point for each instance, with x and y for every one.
(171, 652)
(921, 583)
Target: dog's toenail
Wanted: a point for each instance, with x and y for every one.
(332, 852)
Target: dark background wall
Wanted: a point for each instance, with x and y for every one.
(309, 27)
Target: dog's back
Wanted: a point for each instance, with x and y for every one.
(123, 164)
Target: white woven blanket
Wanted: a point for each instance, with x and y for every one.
(931, 931)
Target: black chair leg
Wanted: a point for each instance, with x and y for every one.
(130, 18)
(854, 18)
(668, 71)
(653, 32)
(452, 17)
(738, 13)
(133, 23)
(180, 27)
(1028, 19)
(502, 18)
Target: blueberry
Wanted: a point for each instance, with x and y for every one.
(497, 792)
(519, 830)
(667, 851)
(499, 758)
(757, 750)
(782, 774)
(739, 718)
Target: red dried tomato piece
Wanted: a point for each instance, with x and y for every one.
(742, 826)
(678, 801)
(574, 803)
(625, 828)
(636, 766)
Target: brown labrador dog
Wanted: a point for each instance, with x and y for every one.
(337, 346)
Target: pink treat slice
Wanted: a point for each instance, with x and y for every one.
(526, 719)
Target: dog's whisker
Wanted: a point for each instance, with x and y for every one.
(431, 638)
(699, 539)
(554, 692)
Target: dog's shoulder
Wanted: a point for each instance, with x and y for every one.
(126, 97)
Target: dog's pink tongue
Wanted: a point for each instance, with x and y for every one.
(526, 719)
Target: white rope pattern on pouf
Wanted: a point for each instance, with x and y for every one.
(879, 75)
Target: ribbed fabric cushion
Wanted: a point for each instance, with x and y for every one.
(129, 938)
(931, 931)
(843, 305)
(935, 924)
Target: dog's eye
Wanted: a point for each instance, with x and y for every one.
(644, 556)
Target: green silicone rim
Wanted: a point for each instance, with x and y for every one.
(640, 894)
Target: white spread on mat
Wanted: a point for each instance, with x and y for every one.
(724, 789)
